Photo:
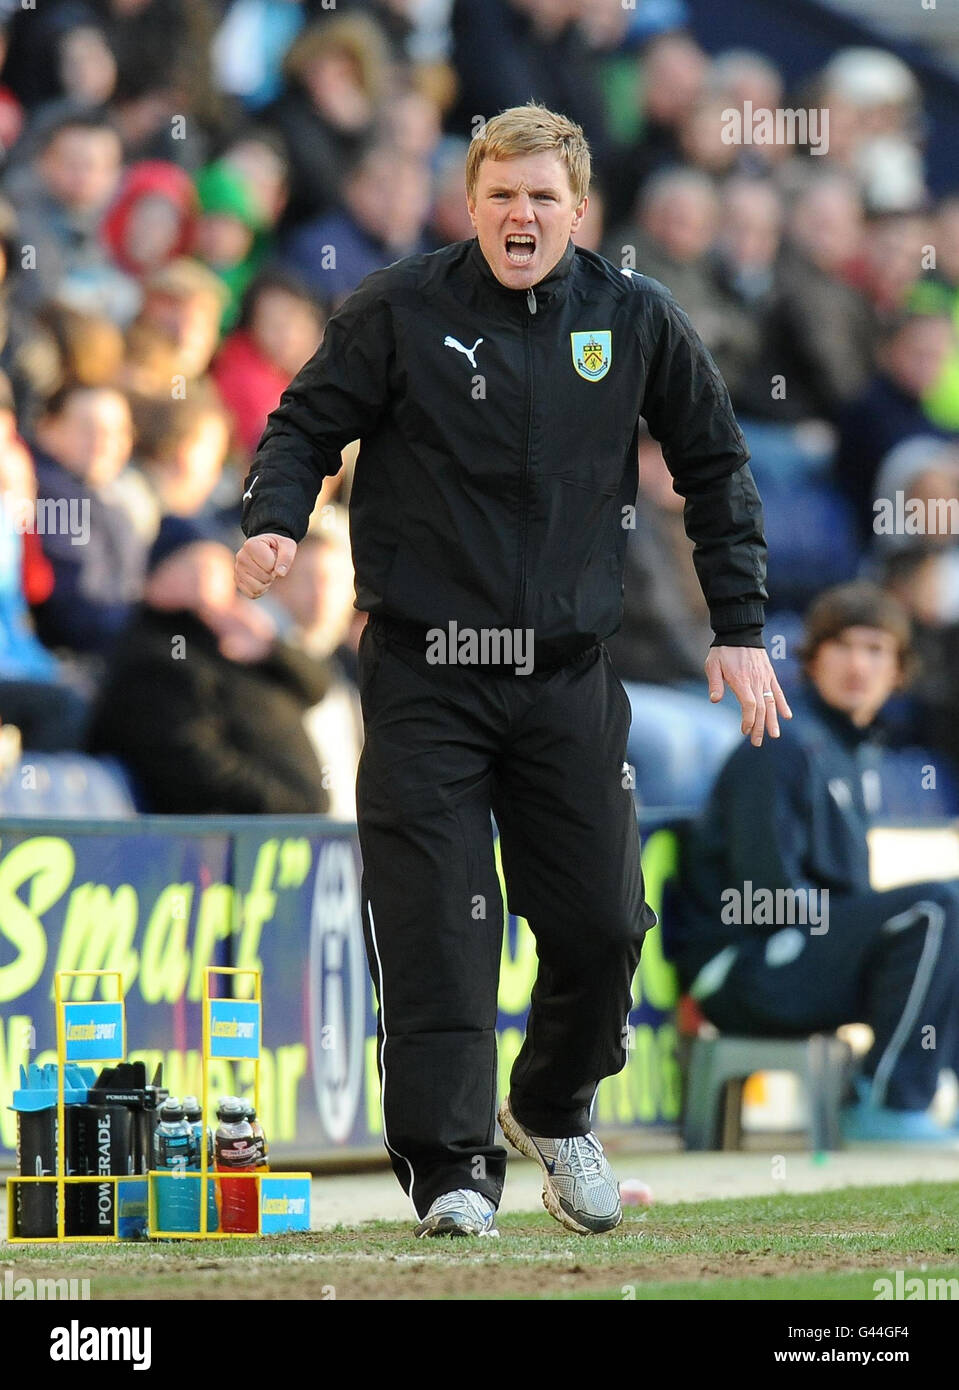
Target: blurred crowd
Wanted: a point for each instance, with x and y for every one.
(190, 187)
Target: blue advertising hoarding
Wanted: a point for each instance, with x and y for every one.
(161, 898)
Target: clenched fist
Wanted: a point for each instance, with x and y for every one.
(260, 560)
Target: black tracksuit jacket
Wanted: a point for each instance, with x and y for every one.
(497, 494)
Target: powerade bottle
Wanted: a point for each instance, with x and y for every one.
(259, 1138)
(174, 1152)
(259, 1141)
(235, 1152)
(193, 1114)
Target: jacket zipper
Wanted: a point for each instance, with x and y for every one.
(521, 582)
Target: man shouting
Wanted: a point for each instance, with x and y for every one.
(496, 387)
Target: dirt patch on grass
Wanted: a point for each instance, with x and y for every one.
(355, 1264)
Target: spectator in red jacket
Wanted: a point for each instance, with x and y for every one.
(280, 327)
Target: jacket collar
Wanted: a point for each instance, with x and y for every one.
(841, 725)
(550, 289)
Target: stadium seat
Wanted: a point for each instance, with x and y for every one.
(720, 1066)
(811, 533)
(677, 743)
(783, 636)
(70, 785)
(787, 455)
(918, 784)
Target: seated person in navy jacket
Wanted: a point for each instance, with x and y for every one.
(781, 933)
(82, 443)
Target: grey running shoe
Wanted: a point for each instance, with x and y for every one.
(461, 1213)
(579, 1188)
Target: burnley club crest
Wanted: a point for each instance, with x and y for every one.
(592, 353)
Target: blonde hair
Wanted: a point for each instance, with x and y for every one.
(531, 129)
(357, 36)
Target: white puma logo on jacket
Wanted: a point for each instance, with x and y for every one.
(467, 352)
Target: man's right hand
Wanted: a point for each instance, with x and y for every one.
(260, 560)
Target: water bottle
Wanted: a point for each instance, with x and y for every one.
(235, 1151)
(259, 1138)
(174, 1152)
(193, 1114)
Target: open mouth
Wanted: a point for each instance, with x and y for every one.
(520, 247)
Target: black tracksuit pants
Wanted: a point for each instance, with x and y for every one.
(445, 746)
(889, 959)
